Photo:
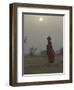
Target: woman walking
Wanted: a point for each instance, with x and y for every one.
(50, 51)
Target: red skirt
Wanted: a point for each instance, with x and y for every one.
(51, 54)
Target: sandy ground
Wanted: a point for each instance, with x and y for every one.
(40, 64)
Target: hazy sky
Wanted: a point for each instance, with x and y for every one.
(38, 27)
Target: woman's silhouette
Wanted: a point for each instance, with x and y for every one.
(50, 51)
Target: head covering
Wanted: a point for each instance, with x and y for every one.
(48, 38)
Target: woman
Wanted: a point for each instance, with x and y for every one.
(50, 51)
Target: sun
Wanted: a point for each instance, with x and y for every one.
(40, 19)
